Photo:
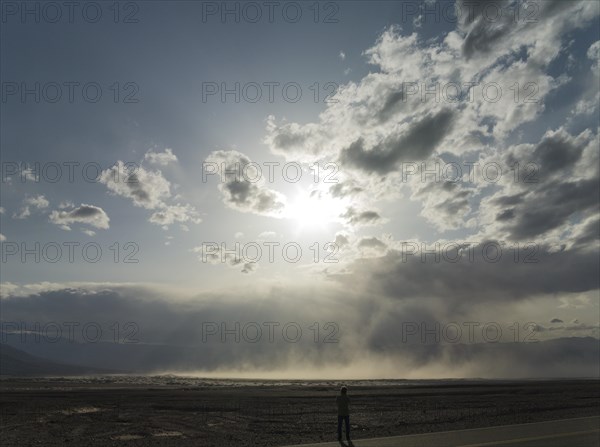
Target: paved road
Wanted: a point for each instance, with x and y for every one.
(579, 432)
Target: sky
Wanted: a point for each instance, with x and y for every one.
(349, 188)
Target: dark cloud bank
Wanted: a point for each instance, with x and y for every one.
(368, 304)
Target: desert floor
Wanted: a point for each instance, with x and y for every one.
(171, 413)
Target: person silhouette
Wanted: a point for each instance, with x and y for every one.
(343, 407)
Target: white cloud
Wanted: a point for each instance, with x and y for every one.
(175, 213)
(66, 204)
(161, 158)
(216, 254)
(148, 189)
(145, 188)
(444, 204)
(590, 98)
(388, 117)
(29, 174)
(38, 202)
(374, 108)
(593, 54)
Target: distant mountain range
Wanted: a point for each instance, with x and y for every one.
(14, 362)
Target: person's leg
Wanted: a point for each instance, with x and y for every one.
(347, 420)
(340, 419)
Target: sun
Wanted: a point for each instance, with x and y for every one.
(314, 209)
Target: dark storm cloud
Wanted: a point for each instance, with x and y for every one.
(563, 185)
(547, 206)
(556, 153)
(551, 207)
(171, 335)
(510, 200)
(402, 275)
(418, 142)
(506, 215)
(589, 234)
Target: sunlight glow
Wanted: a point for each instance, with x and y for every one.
(315, 209)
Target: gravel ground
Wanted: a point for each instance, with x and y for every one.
(68, 412)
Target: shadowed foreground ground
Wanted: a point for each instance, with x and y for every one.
(175, 413)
